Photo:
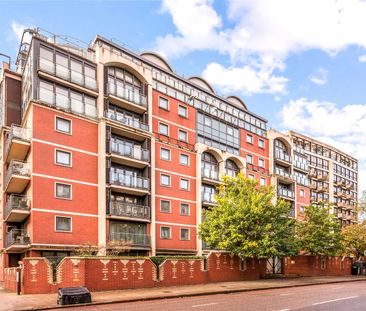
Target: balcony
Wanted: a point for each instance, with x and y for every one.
(126, 98)
(313, 186)
(313, 173)
(256, 168)
(123, 210)
(18, 143)
(131, 239)
(282, 157)
(17, 240)
(208, 198)
(127, 154)
(17, 176)
(322, 177)
(340, 215)
(301, 166)
(51, 70)
(64, 102)
(283, 175)
(322, 189)
(210, 176)
(349, 196)
(130, 184)
(134, 127)
(285, 193)
(17, 208)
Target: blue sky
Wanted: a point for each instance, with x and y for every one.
(299, 63)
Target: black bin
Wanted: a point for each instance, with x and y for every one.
(73, 295)
(356, 268)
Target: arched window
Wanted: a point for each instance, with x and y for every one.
(210, 166)
(280, 146)
(231, 168)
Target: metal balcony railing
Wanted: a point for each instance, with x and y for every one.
(129, 181)
(279, 155)
(283, 173)
(64, 102)
(130, 151)
(67, 74)
(208, 197)
(124, 209)
(131, 239)
(17, 237)
(126, 120)
(302, 181)
(210, 174)
(256, 168)
(18, 168)
(283, 192)
(301, 166)
(16, 202)
(17, 132)
(127, 94)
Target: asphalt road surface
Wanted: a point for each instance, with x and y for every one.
(342, 296)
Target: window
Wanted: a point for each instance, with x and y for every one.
(63, 224)
(164, 206)
(249, 139)
(249, 159)
(184, 234)
(302, 209)
(183, 111)
(251, 176)
(184, 184)
(165, 180)
(302, 193)
(184, 209)
(63, 125)
(163, 103)
(183, 159)
(165, 154)
(165, 232)
(261, 143)
(63, 158)
(163, 129)
(260, 162)
(63, 191)
(182, 135)
(262, 181)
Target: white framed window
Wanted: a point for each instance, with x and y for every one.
(165, 233)
(63, 191)
(163, 103)
(251, 176)
(182, 135)
(262, 181)
(63, 224)
(165, 206)
(63, 125)
(184, 209)
(164, 154)
(261, 143)
(163, 129)
(184, 184)
(183, 111)
(63, 157)
(184, 159)
(260, 162)
(184, 234)
(249, 139)
(165, 180)
(249, 159)
(302, 209)
(302, 193)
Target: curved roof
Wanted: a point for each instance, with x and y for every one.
(202, 83)
(237, 102)
(157, 60)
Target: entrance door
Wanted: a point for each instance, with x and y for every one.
(274, 265)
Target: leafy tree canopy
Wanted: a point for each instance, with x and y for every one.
(354, 239)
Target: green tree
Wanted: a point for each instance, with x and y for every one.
(320, 232)
(354, 239)
(247, 222)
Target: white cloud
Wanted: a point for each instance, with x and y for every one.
(17, 31)
(343, 127)
(320, 77)
(263, 32)
(362, 58)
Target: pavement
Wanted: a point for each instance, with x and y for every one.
(11, 301)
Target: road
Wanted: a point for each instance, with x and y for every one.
(342, 296)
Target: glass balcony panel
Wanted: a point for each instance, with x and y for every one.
(125, 209)
(77, 106)
(47, 65)
(62, 101)
(62, 72)
(90, 111)
(46, 96)
(128, 94)
(130, 238)
(90, 83)
(77, 77)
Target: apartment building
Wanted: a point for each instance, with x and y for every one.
(101, 145)
(333, 177)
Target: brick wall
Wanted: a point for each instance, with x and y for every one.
(98, 274)
(317, 266)
(10, 279)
